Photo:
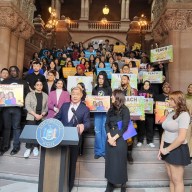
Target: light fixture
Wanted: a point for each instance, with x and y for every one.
(104, 20)
(67, 20)
(52, 21)
(106, 10)
(142, 20)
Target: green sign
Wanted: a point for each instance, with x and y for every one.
(162, 54)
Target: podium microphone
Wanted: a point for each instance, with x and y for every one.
(74, 112)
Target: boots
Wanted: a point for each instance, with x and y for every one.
(110, 187)
(129, 157)
(123, 187)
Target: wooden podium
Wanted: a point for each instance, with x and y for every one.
(54, 162)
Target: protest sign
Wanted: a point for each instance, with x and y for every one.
(153, 76)
(69, 71)
(149, 105)
(98, 103)
(116, 80)
(136, 107)
(11, 95)
(162, 54)
(72, 81)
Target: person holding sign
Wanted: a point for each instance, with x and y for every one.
(80, 70)
(163, 97)
(146, 126)
(116, 146)
(174, 149)
(128, 91)
(102, 89)
(12, 115)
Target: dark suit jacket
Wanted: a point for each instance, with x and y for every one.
(82, 113)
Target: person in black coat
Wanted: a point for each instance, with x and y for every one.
(116, 146)
(163, 98)
(12, 114)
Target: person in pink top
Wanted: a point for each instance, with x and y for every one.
(57, 98)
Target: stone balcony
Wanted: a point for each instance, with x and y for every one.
(111, 26)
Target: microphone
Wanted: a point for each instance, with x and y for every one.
(74, 112)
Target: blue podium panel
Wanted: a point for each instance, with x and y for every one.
(71, 136)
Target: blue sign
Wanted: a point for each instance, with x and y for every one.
(50, 133)
(75, 63)
(107, 70)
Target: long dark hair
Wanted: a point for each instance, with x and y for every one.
(119, 99)
(64, 85)
(106, 82)
(179, 99)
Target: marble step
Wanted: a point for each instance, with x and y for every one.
(146, 171)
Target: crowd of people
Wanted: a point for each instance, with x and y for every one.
(46, 96)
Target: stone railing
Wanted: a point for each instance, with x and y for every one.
(73, 25)
(78, 25)
(109, 25)
(147, 28)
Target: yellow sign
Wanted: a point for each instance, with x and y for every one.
(136, 46)
(68, 71)
(119, 48)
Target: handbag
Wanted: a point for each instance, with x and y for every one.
(130, 132)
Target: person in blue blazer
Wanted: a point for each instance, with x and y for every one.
(74, 114)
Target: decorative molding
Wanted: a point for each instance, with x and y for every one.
(173, 19)
(13, 19)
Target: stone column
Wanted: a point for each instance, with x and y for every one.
(20, 54)
(13, 50)
(127, 9)
(174, 68)
(86, 9)
(82, 9)
(5, 36)
(58, 8)
(122, 10)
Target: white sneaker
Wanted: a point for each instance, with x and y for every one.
(35, 152)
(139, 144)
(27, 153)
(151, 145)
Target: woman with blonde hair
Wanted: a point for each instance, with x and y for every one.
(174, 149)
(188, 97)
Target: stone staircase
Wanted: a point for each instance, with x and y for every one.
(146, 172)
